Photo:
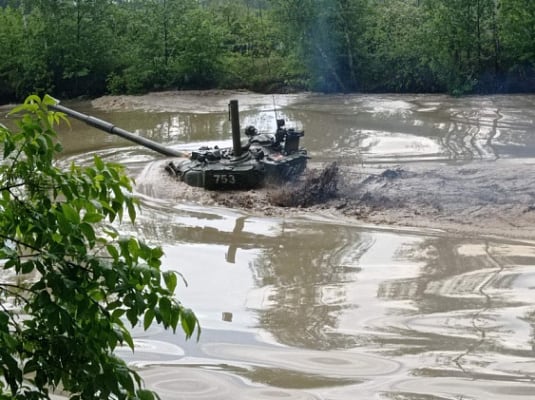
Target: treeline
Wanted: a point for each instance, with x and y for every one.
(91, 47)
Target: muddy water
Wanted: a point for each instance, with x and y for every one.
(314, 307)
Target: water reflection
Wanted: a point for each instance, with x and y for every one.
(470, 301)
(377, 128)
(409, 128)
(309, 272)
(438, 306)
(197, 383)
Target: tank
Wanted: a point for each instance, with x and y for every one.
(263, 157)
(250, 163)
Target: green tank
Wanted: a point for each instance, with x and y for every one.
(263, 157)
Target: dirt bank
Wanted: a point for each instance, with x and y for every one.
(198, 101)
(489, 198)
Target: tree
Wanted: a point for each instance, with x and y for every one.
(69, 282)
(397, 54)
(517, 38)
(161, 41)
(461, 37)
(10, 44)
(77, 42)
(327, 37)
(198, 49)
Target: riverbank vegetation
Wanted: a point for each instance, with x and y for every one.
(93, 47)
(72, 286)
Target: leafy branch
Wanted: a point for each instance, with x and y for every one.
(87, 281)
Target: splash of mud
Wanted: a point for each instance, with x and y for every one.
(495, 199)
(316, 187)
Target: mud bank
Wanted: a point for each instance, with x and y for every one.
(479, 198)
(489, 198)
(198, 101)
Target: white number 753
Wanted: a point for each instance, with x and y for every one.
(225, 178)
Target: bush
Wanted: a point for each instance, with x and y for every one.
(70, 282)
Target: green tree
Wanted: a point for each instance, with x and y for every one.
(326, 37)
(198, 41)
(517, 41)
(307, 31)
(397, 56)
(154, 35)
(10, 44)
(70, 282)
(462, 41)
(23, 65)
(77, 42)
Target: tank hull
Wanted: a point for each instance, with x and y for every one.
(224, 174)
(251, 170)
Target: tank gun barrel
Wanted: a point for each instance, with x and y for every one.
(114, 130)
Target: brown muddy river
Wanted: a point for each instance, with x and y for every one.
(324, 305)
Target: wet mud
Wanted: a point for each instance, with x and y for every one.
(465, 199)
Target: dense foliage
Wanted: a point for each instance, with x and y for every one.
(70, 283)
(89, 47)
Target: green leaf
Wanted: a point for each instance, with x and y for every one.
(98, 163)
(27, 267)
(92, 217)
(170, 280)
(165, 309)
(98, 295)
(175, 317)
(133, 248)
(113, 252)
(88, 232)
(30, 366)
(117, 313)
(143, 394)
(189, 323)
(149, 317)
(4, 319)
(132, 212)
(9, 147)
(43, 144)
(70, 213)
(124, 377)
(49, 100)
(132, 316)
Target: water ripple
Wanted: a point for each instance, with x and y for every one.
(348, 364)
